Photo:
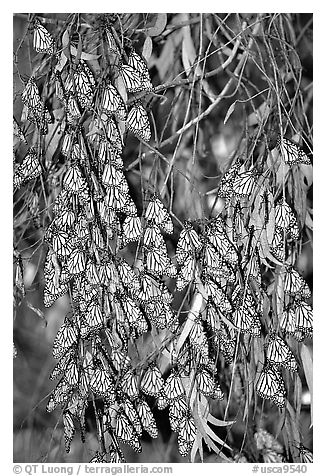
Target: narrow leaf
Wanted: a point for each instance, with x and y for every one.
(229, 112)
(306, 357)
(147, 48)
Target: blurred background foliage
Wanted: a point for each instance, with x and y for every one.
(246, 77)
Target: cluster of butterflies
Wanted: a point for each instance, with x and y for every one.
(210, 262)
(34, 109)
(114, 303)
(240, 183)
(27, 170)
(78, 90)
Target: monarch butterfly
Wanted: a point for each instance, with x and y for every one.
(31, 97)
(18, 132)
(109, 418)
(239, 229)
(82, 289)
(82, 228)
(244, 183)
(205, 382)
(278, 245)
(147, 418)
(98, 458)
(62, 202)
(120, 361)
(177, 410)
(60, 242)
(112, 46)
(72, 110)
(66, 337)
(212, 316)
(72, 372)
(129, 207)
(134, 315)
(212, 260)
(198, 339)
(112, 177)
(303, 318)
(59, 395)
(67, 142)
(53, 289)
(288, 323)
(156, 212)
(76, 262)
(43, 41)
(131, 78)
(106, 271)
(152, 381)
(283, 214)
(188, 243)
(91, 273)
(67, 365)
(186, 273)
(84, 302)
(306, 455)
(29, 169)
(73, 180)
(286, 220)
(152, 236)
(297, 321)
(278, 353)
(216, 229)
(69, 429)
(173, 387)
(218, 238)
(246, 319)
(227, 343)
(187, 435)
(115, 199)
(139, 64)
(242, 295)
(101, 382)
(150, 288)
(112, 133)
(251, 268)
(162, 401)
(157, 261)
(126, 433)
(129, 384)
(217, 392)
(219, 298)
(271, 386)
(294, 284)
(137, 122)
(131, 229)
(113, 103)
(65, 219)
(60, 366)
(292, 153)
(225, 189)
(116, 455)
(94, 316)
(82, 394)
(158, 312)
(127, 275)
(132, 415)
(82, 83)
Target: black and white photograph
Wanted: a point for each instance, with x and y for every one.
(163, 238)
